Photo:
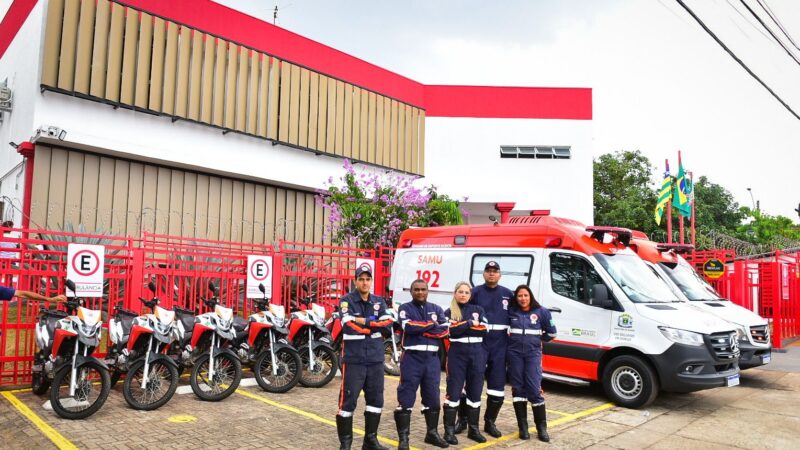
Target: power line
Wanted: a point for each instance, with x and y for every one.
(772, 16)
(732, 55)
(749, 22)
(771, 33)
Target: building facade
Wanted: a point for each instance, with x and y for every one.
(190, 118)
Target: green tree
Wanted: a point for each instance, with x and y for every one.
(775, 231)
(715, 208)
(624, 191)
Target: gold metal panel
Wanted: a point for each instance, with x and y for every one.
(421, 143)
(339, 144)
(280, 214)
(129, 57)
(371, 128)
(380, 130)
(83, 57)
(69, 40)
(299, 216)
(291, 215)
(347, 137)
(202, 207)
(270, 217)
(149, 193)
(115, 49)
(253, 94)
(326, 237)
(302, 129)
(414, 147)
(119, 200)
(263, 97)
(170, 68)
(55, 196)
(89, 189)
(259, 212)
(189, 210)
(230, 86)
(157, 66)
(164, 192)
(356, 137)
(135, 191)
(176, 205)
(364, 127)
(213, 214)
(401, 136)
(97, 85)
(72, 189)
(184, 61)
(226, 197)
(41, 186)
(387, 132)
(283, 113)
(393, 124)
(237, 204)
(322, 125)
(330, 133)
(218, 94)
(294, 105)
(274, 83)
(206, 92)
(195, 75)
(248, 208)
(52, 42)
(313, 108)
(105, 197)
(319, 225)
(308, 218)
(241, 89)
(143, 66)
(407, 139)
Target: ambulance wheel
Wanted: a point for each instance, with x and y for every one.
(630, 382)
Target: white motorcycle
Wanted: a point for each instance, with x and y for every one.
(308, 334)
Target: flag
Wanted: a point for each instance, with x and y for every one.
(680, 198)
(663, 194)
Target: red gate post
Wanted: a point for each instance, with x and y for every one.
(135, 275)
(277, 278)
(777, 296)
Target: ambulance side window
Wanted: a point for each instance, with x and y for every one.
(515, 269)
(572, 276)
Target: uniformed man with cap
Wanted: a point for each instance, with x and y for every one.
(365, 322)
(494, 300)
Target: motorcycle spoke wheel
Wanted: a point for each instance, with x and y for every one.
(390, 365)
(325, 366)
(162, 380)
(227, 375)
(92, 385)
(287, 373)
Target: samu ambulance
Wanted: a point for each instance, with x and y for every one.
(618, 324)
(665, 259)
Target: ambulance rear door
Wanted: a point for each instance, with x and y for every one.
(517, 266)
(441, 268)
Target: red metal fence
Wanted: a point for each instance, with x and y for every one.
(181, 269)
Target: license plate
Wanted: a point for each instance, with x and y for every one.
(732, 380)
(765, 359)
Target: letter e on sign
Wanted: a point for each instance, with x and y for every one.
(259, 271)
(85, 267)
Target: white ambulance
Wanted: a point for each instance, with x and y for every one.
(618, 324)
(752, 329)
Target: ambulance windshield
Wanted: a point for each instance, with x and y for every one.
(638, 282)
(689, 282)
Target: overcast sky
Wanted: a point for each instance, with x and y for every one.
(660, 83)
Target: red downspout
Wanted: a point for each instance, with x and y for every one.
(504, 209)
(28, 151)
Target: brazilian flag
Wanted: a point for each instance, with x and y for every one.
(663, 195)
(680, 198)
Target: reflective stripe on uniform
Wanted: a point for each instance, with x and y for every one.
(422, 348)
(494, 393)
(376, 335)
(467, 340)
(353, 337)
(526, 331)
(494, 327)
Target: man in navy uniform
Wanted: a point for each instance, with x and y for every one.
(494, 300)
(365, 322)
(424, 326)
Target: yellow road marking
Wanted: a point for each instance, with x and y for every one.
(552, 423)
(182, 419)
(309, 415)
(507, 402)
(57, 438)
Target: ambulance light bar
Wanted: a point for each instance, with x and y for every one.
(623, 235)
(677, 248)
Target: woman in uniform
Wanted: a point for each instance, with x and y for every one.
(530, 324)
(466, 363)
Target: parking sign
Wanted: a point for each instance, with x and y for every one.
(85, 266)
(259, 271)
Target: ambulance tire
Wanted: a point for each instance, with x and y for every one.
(630, 382)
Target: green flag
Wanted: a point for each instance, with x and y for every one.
(663, 195)
(680, 198)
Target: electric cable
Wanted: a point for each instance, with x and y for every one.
(771, 33)
(774, 18)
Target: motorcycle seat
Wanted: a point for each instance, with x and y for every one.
(186, 317)
(51, 318)
(239, 324)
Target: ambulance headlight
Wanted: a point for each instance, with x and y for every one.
(682, 336)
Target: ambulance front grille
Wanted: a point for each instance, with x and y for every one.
(724, 345)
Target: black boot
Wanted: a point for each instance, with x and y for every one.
(521, 411)
(493, 405)
(371, 422)
(432, 425)
(463, 410)
(402, 419)
(344, 427)
(450, 413)
(474, 433)
(540, 419)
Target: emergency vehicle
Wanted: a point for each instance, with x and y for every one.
(665, 259)
(618, 324)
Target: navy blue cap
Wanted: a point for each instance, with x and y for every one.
(491, 265)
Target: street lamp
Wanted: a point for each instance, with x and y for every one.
(751, 198)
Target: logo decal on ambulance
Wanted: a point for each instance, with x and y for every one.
(625, 321)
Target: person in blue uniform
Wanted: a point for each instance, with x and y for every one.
(530, 325)
(466, 363)
(365, 322)
(424, 327)
(8, 293)
(494, 300)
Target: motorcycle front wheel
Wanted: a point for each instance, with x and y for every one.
(92, 385)
(287, 374)
(162, 380)
(325, 366)
(227, 375)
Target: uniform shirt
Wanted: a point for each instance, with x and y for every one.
(464, 331)
(424, 325)
(529, 328)
(363, 344)
(7, 293)
(494, 302)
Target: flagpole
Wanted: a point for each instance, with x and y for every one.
(691, 178)
(669, 212)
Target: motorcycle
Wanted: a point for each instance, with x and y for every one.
(312, 340)
(139, 346)
(392, 346)
(66, 341)
(262, 342)
(204, 343)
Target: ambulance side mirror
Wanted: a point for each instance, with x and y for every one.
(600, 296)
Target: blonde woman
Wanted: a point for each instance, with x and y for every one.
(466, 363)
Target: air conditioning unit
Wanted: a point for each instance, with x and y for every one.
(6, 96)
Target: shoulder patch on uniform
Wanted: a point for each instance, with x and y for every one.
(402, 314)
(433, 317)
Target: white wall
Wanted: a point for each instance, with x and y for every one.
(20, 65)
(462, 158)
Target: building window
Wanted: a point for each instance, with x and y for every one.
(536, 151)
